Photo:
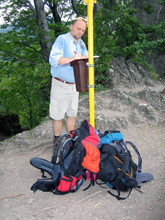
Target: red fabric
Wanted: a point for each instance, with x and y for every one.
(89, 177)
(93, 138)
(65, 185)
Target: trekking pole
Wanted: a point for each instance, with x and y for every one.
(91, 61)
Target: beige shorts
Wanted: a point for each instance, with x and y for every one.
(63, 100)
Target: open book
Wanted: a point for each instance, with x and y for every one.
(77, 59)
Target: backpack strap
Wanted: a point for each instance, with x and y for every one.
(126, 156)
(121, 173)
(54, 158)
(65, 161)
(118, 197)
(111, 131)
(137, 152)
(125, 161)
(66, 157)
(130, 183)
(92, 181)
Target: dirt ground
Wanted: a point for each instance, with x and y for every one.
(18, 202)
(17, 175)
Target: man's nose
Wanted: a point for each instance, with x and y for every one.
(81, 31)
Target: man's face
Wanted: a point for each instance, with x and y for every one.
(77, 29)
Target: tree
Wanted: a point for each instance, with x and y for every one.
(45, 16)
(42, 24)
(122, 34)
(24, 81)
(24, 50)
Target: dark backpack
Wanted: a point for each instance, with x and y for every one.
(78, 153)
(117, 169)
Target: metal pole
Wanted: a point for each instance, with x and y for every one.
(91, 61)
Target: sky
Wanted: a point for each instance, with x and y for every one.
(1, 17)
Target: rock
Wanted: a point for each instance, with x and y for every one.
(128, 103)
(125, 73)
(152, 12)
(115, 109)
(154, 98)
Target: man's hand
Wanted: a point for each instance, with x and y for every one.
(64, 60)
(78, 56)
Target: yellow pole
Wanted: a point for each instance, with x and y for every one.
(91, 61)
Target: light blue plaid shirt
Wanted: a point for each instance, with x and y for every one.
(65, 46)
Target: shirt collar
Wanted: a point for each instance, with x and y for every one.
(73, 38)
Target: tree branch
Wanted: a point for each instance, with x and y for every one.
(75, 7)
(29, 4)
(23, 60)
(31, 47)
(53, 7)
(157, 20)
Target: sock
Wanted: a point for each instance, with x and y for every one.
(56, 136)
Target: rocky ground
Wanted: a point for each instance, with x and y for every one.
(139, 112)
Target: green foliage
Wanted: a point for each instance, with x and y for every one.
(25, 77)
(148, 8)
(120, 30)
(163, 78)
(122, 34)
(153, 74)
(57, 28)
(99, 87)
(162, 2)
(129, 102)
(24, 92)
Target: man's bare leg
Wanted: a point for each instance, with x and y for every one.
(57, 127)
(70, 123)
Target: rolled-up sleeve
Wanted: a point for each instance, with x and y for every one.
(56, 52)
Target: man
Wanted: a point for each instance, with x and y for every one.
(64, 97)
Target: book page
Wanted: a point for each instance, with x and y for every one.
(85, 58)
